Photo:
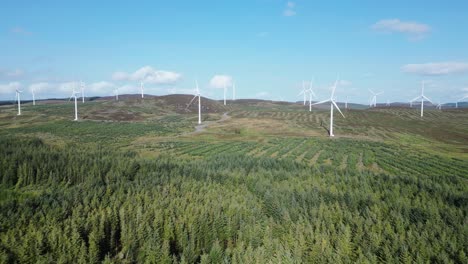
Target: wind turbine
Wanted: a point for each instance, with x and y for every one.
(116, 92)
(225, 90)
(373, 101)
(197, 93)
(303, 92)
(33, 95)
(82, 84)
(74, 94)
(439, 106)
(311, 92)
(346, 103)
(141, 88)
(18, 98)
(332, 105)
(422, 97)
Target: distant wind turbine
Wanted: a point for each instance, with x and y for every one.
(82, 84)
(74, 95)
(311, 93)
(422, 97)
(225, 90)
(18, 98)
(116, 92)
(332, 105)
(373, 102)
(141, 88)
(303, 92)
(346, 103)
(197, 94)
(33, 91)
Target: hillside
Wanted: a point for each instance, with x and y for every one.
(260, 181)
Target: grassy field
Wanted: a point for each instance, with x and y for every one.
(132, 181)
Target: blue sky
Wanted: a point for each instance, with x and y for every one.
(267, 47)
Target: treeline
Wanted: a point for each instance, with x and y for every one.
(74, 204)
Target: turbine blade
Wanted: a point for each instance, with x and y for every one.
(191, 101)
(334, 88)
(321, 102)
(427, 99)
(337, 108)
(416, 98)
(372, 92)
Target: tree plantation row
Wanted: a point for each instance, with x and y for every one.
(76, 203)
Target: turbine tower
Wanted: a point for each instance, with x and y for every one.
(373, 102)
(225, 90)
(332, 105)
(197, 94)
(116, 92)
(33, 95)
(141, 88)
(311, 93)
(346, 103)
(18, 98)
(422, 97)
(303, 92)
(74, 95)
(82, 84)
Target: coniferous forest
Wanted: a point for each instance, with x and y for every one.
(211, 200)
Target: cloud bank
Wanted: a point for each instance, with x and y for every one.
(414, 30)
(436, 68)
(290, 9)
(220, 81)
(148, 74)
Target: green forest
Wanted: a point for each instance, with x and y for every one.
(225, 196)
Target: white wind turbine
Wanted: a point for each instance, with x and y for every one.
(74, 95)
(439, 105)
(197, 94)
(311, 93)
(18, 99)
(303, 92)
(82, 85)
(225, 90)
(373, 102)
(332, 105)
(141, 88)
(33, 91)
(422, 97)
(116, 92)
(346, 103)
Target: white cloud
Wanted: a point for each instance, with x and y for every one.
(290, 9)
(344, 83)
(436, 68)
(100, 88)
(40, 87)
(220, 81)
(413, 29)
(11, 74)
(262, 95)
(148, 74)
(20, 31)
(9, 88)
